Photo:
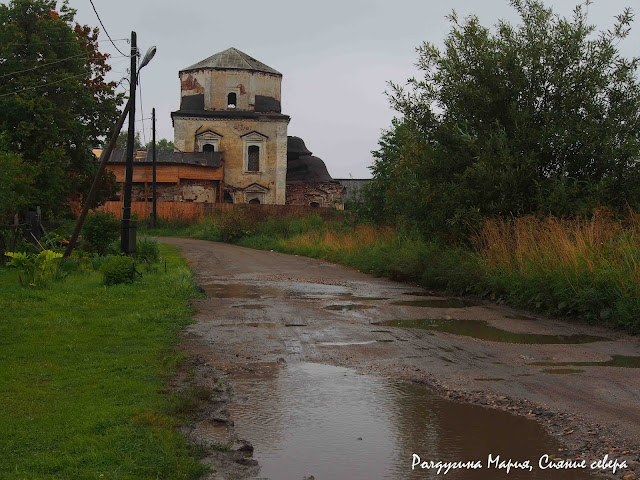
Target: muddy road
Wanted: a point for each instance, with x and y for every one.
(332, 373)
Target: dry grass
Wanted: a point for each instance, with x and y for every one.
(348, 242)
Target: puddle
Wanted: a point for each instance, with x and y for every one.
(344, 344)
(420, 294)
(252, 324)
(561, 371)
(621, 361)
(517, 316)
(385, 340)
(240, 290)
(437, 303)
(295, 325)
(352, 306)
(309, 419)
(349, 296)
(482, 330)
(250, 307)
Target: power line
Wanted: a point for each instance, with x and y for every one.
(64, 43)
(53, 63)
(144, 133)
(104, 28)
(42, 85)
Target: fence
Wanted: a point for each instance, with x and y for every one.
(188, 211)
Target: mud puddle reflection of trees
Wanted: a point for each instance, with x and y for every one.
(311, 419)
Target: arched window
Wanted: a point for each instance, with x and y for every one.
(254, 201)
(232, 100)
(314, 204)
(253, 164)
(208, 148)
(227, 198)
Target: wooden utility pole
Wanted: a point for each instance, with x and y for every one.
(154, 213)
(104, 158)
(125, 239)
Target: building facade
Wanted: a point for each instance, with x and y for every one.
(230, 103)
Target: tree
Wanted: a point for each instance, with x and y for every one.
(162, 145)
(122, 141)
(542, 117)
(54, 101)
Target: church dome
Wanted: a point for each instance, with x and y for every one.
(232, 59)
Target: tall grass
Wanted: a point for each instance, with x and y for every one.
(588, 267)
(583, 267)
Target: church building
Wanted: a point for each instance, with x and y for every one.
(231, 143)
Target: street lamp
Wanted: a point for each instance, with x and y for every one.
(128, 234)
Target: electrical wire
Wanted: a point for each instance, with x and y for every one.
(104, 28)
(144, 134)
(53, 63)
(64, 43)
(43, 85)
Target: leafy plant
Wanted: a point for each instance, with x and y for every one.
(147, 251)
(36, 270)
(100, 230)
(118, 269)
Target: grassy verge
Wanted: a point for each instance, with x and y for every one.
(84, 375)
(587, 268)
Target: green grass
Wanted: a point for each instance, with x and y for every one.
(84, 375)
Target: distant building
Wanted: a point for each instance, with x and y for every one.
(231, 142)
(352, 188)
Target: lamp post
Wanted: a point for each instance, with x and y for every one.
(128, 235)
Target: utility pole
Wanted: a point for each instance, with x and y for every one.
(104, 158)
(125, 239)
(154, 213)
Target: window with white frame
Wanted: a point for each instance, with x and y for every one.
(208, 141)
(254, 147)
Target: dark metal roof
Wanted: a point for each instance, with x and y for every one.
(296, 146)
(232, 59)
(229, 114)
(307, 169)
(200, 159)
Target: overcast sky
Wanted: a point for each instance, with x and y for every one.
(336, 57)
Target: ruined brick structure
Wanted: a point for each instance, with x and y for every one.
(308, 181)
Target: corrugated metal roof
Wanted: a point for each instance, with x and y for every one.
(201, 159)
(232, 59)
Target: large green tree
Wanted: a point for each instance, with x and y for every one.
(54, 101)
(542, 117)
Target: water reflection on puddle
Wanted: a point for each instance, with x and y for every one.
(482, 330)
(311, 419)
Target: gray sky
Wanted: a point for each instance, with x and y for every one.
(336, 57)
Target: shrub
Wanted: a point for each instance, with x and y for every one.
(147, 251)
(118, 269)
(100, 230)
(36, 270)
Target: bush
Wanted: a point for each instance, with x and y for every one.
(100, 230)
(147, 251)
(118, 269)
(36, 270)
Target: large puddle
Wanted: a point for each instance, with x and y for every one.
(310, 419)
(621, 361)
(482, 330)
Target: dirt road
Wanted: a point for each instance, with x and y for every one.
(269, 309)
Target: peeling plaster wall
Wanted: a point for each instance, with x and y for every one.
(197, 191)
(231, 145)
(217, 84)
